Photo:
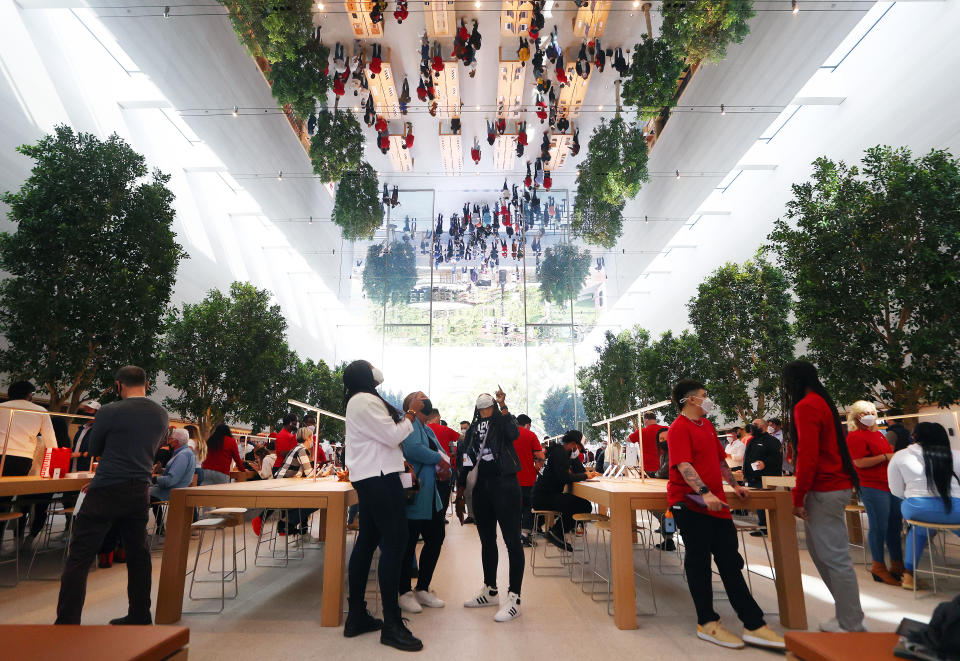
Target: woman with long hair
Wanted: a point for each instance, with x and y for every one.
(927, 476)
(825, 476)
(488, 449)
(374, 432)
(222, 450)
(870, 451)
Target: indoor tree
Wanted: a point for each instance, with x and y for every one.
(651, 81)
(873, 255)
(563, 272)
(90, 266)
(662, 363)
(225, 355)
(616, 164)
(702, 29)
(741, 317)
(270, 29)
(390, 272)
(300, 81)
(357, 206)
(337, 145)
(595, 220)
(308, 381)
(561, 410)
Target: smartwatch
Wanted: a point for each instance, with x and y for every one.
(704, 490)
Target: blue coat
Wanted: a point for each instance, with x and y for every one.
(416, 450)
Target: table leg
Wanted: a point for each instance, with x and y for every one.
(786, 560)
(322, 525)
(173, 567)
(334, 552)
(621, 543)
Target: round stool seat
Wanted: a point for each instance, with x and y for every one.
(228, 510)
(65, 510)
(589, 517)
(554, 512)
(210, 524)
(10, 516)
(937, 526)
(855, 508)
(603, 525)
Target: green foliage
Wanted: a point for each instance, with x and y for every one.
(300, 81)
(271, 29)
(616, 162)
(337, 146)
(740, 314)
(225, 356)
(563, 272)
(309, 382)
(662, 363)
(561, 410)
(90, 267)
(702, 29)
(390, 273)
(596, 221)
(873, 256)
(357, 205)
(651, 82)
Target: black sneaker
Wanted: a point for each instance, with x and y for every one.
(126, 619)
(361, 623)
(759, 533)
(396, 634)
(468, 520)
(557, 541)
(666, 545)
(526, 541)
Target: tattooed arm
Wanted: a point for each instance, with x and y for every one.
(741, 492)
(690, 476)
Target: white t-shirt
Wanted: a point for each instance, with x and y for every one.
(736, 450)
(25, 428)
(266, 466)
(907, 478)
(372, 439)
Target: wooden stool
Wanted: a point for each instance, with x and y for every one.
(159, 519)
(547, 518)
(218, 526)
(13, 516)
(583, 563)
(44, 544)
(944, 570)
(603, 528)
(236, 513)
(860, 511)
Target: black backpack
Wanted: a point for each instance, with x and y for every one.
(942, 635)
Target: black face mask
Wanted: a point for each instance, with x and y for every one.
(427, 406)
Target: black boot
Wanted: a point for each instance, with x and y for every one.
(360, 622)
(127, 619)
(396, 634)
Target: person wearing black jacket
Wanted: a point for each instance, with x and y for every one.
(762, 457)
(488, 449)
(548, 492)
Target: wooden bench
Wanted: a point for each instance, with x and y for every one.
(48, 642)
(815, 646)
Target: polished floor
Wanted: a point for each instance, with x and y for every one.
(277, 613)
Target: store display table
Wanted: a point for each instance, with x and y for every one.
(814, 646)
(49, 642)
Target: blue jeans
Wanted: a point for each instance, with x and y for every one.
(213, 477)
(883, 515)
(928, 510)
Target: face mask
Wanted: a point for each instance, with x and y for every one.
(574, 454)
(312, 428)
(377, 376)
(868, 420)
(427, 406)
(706, 405)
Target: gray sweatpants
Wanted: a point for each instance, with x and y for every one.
(829, 547)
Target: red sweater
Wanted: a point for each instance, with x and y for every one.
(220, 460)
(818, 456)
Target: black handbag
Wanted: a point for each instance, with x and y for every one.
(414, 489)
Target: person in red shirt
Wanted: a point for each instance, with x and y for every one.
(222, 450)
(408, 136)
(286, 437)
(696, 497)
(531, 457)
(871, 452)
(447, 438)
(825, 476)
(475, 152)
(647, 437)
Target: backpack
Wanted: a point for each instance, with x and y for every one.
(942, 635)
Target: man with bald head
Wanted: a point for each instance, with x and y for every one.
(761, 458)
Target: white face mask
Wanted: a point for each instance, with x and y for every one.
(706, 405)
(868, 420)
(574, 454)
(312, 428)
(377, 376)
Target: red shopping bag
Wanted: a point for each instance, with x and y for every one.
(56, 463)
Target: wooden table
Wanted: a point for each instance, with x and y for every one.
(49, 642)
(242, 476)
(332, 496)
(27, 485)
(812, 646)
(624, 496)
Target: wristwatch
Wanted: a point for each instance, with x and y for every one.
(704, 490)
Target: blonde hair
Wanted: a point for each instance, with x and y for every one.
(856, 410)
(304, 434)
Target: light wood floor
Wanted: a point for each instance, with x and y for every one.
(277, 613)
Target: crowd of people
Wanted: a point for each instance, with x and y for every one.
(406, 465)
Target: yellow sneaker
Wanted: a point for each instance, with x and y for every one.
(713, 632)
(764, 637)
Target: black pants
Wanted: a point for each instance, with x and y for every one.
(526, 512)
(13, 467)
(444, 488)
(433, 531)
(383, 523)
(703, 536)
(497, 500)
(126, 507)
(565, 503)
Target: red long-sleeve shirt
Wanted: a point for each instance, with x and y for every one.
(819, 467)
(220, 460)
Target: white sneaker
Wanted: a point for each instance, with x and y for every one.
(409, 603)
(486, 597)
(833, 626)
(510, 609)
(429, 599)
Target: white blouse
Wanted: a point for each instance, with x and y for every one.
(372, 440)
(906, 476)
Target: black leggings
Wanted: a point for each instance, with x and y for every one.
(383, 523)
(497, 500)
(703, 536)
(433, 531)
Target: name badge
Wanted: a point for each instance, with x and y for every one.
(467, 461)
